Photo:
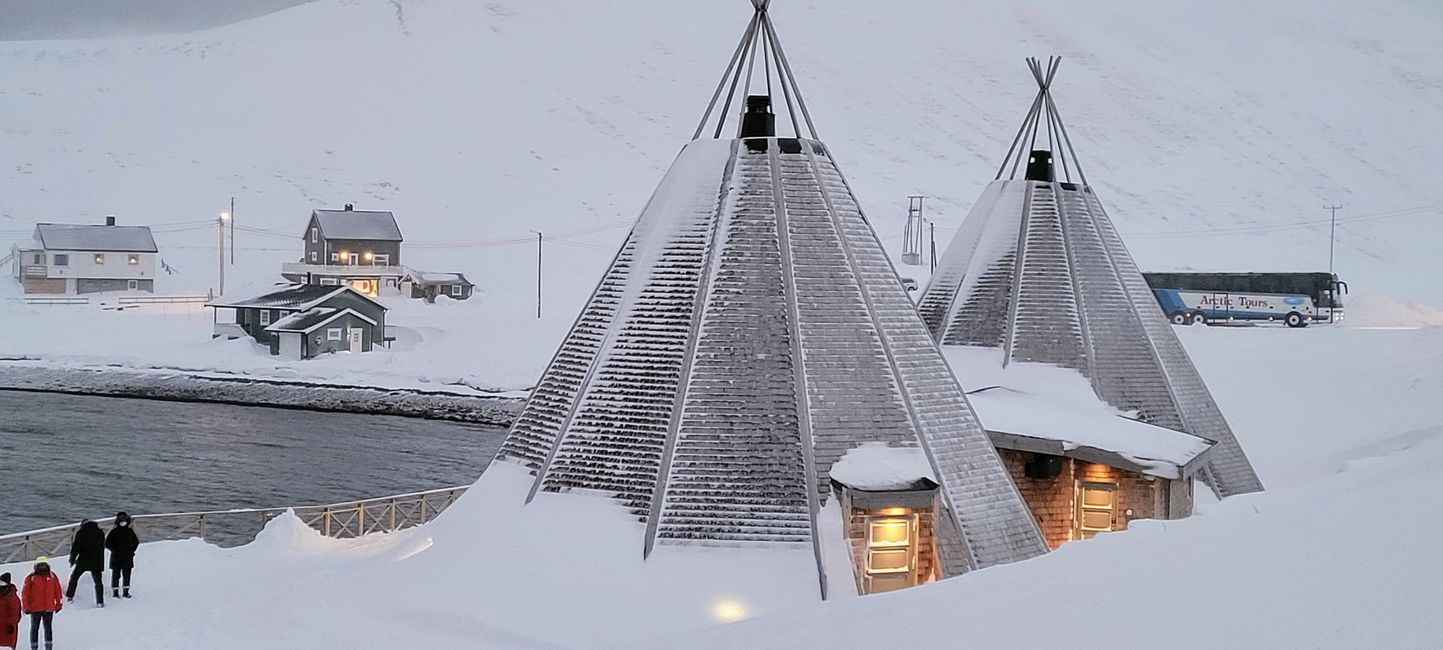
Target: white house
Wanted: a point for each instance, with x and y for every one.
(68, 258)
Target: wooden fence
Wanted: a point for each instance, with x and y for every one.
(237, 527)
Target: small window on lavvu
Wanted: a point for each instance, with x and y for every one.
(333, 334)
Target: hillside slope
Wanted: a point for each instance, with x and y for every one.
(1214, 134)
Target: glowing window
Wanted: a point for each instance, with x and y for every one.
(100, 258)
(891, 554)
(1096, 507)
(132, 260)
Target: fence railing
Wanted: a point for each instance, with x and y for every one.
(161, 300)
(56, 300)
(240, 526)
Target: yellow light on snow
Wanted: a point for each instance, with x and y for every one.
(728, 611)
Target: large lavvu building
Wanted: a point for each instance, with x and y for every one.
(1038, 300)
(750, 387)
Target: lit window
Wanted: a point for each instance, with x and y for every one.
(265, 317)
(62, 260)
(100, 258)
(132, 260)
(333, 334)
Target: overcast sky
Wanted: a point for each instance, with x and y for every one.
(42, 19)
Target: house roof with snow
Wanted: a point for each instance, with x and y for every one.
(374, 225)
(300, 297)
(749, 334)
(1038, 273)
(428, 277)
(313, 319)
(98, 238)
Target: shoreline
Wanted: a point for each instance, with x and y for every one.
(179, 386)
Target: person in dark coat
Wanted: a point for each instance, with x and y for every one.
(9, 613)
(87, 555)
(121, 542)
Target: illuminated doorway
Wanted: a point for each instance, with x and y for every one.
(1096, 508)
(891, 552)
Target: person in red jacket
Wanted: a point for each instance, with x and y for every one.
(9, 613)
(41, 599)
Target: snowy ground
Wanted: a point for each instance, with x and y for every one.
(1344, 425)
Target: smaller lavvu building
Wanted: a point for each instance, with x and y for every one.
(65, 258)
(304, 321)
(348, 247)
(1083, 387)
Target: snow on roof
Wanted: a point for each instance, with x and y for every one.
(876, 466)
(1051, 403)
(310, 319)
(1150, 449)
(358, 224)
(298, 296)
(82, 237)
(428, 277)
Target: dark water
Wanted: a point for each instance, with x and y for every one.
(66, 457)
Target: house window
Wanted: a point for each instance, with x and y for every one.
(891, 553)
(39, 258)
(100, 258)
(329, 282)
(313, 257)
(132, 260)
(333, 334)
(132, 284)
(265, 317)
(315, 235)
(456, 290)
(1096, 507)
(62, 260)
(335, 258)
(381, 259)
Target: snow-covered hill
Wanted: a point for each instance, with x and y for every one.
(1215, 132)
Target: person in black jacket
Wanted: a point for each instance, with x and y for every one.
(87, 555)
(122, 543)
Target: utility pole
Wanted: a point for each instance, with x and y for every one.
(220, 248)
(932, 239)
(1332, 233)
(1332, 236)
(538, 273)
(232, 230)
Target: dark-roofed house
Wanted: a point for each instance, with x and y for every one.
(359, 248)
(427, 285)
(303, 321)
(66, 258)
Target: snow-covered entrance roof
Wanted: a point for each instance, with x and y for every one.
(750, 333)
(1027, 422)
(375, 225)
(1038, 272)
(83, 237)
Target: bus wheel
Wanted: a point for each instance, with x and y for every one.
(1294, 319)
(1180, 318)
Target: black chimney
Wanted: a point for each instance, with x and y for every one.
(110, 220)
(350, 207)
(1039, 166)
(758, 121)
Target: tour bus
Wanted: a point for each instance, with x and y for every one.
(1296, 299)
